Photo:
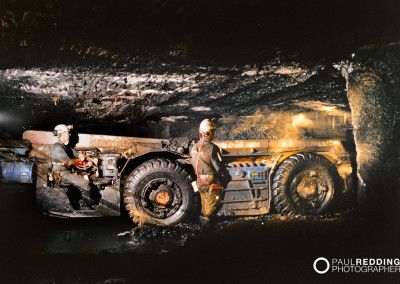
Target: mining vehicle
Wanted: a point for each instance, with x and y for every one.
(150, 179)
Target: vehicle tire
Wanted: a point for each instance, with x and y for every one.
(159, 192)
(305, 184)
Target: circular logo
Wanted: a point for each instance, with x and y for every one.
(327, 265)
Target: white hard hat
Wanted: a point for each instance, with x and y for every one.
(207, 126)
(61, 128)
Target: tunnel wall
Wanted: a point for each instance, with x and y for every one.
(373, 86)
(163, 99)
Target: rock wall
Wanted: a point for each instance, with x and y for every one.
(166, 99)
(373, 85)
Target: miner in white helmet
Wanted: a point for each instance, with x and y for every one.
(211, 172)
(63, 157)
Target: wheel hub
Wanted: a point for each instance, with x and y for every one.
(162, 197)
(309, 189)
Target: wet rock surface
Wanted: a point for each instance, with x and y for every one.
(373, 95)
(165, 102)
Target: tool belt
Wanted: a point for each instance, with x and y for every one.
(211, 178)
(55, 177)
(208, 178)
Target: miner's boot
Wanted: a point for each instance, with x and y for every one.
(206, 224)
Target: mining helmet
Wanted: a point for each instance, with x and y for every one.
(61, 128)
(207, 128)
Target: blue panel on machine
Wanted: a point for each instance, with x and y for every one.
(248, 191)
(240, 171)
(18, 172)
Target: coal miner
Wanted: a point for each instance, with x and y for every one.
(63, 157)
(212, 175)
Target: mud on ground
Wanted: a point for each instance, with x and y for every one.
(40, 249)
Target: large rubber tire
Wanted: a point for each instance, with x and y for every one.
(305, 184)
(159, 192)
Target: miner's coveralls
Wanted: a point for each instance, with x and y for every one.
(212, 171)
(60, 156)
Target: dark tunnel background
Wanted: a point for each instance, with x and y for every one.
(42, 32)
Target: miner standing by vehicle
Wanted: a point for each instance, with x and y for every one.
(211, 172)
(63, 157)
